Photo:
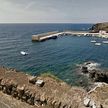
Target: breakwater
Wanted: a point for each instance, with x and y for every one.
(45, 36)
(55, 34)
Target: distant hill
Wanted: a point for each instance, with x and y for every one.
(99, 26)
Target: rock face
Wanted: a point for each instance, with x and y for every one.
(99, 26)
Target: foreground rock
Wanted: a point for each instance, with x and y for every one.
(53, 94)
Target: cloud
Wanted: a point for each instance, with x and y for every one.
(53, 10)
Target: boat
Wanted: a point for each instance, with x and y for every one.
(85, 34)
(23, 53)
(106, 42)
(92, 41)
(97, 44)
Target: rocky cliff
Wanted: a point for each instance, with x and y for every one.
(99, 26)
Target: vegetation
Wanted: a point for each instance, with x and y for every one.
(49, 74)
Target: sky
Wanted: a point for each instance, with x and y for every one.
(53, 11)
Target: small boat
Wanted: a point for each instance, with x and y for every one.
(106, 42)
(85, 34)
(97, 44)
(92, 41)
(23, 53)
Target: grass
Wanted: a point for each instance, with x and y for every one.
(49, 74)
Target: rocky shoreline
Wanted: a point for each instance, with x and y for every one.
(46, 91)
(94, 72)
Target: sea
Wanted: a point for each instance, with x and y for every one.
(57, 56)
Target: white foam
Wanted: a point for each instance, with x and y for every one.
(92, 65)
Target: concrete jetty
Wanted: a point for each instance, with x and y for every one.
(86, 33)
(80, 33)
(55, 34)
(45, 36)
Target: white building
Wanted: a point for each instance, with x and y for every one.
(102, 32)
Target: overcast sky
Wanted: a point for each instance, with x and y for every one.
(53, 11)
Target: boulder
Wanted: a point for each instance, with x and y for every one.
(92, 104)
(31, 100)
(84, 69)
(86, 101)
(56, 104)
(40, 83)
(3, 83)
(26, 95)
(9, 86)
(32, 79)
(14, 92)
(37, 101)
(20, 90)
(4, 89)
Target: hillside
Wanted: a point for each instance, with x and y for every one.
(99, 26)
(18, 90)
(53, 94)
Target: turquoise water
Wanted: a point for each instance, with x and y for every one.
(59, 56)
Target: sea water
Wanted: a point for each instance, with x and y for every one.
(60, 56)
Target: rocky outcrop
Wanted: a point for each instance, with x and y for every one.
(94, 73)
(88, 102)
(98, 76)
(98, 96)
(99, 26)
